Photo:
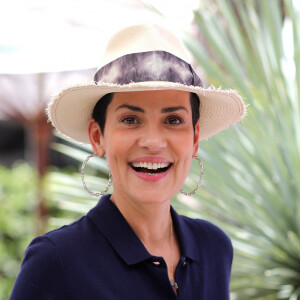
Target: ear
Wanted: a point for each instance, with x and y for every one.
(96, 138)
(196, 139)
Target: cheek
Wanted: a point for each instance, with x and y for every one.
(183, 142)
(118, 147)
(184, 147)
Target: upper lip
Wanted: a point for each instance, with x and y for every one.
(153, 159)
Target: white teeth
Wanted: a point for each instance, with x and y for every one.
(150, 165)
(164, 165)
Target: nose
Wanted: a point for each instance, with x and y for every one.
(153, 139)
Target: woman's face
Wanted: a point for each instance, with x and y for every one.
(149, 142)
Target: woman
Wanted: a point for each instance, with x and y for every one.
(133, 245)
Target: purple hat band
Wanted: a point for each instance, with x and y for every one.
(148, 66)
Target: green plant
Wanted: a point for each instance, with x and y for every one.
(252, 171)
(17, 225)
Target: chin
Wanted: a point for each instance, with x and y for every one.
(154, 197)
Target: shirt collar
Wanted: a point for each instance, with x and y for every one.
(186, 236)
(111, 223)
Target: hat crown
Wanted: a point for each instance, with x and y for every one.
(143, 38)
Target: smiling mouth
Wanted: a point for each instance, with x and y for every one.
(150, 168)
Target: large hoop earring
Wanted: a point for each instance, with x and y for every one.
(83, 181)
(200, 180)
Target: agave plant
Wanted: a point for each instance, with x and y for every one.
(252, 171)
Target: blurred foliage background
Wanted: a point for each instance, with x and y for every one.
(17, 222)
(252, 171)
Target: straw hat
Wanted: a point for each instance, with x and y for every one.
(143, 58)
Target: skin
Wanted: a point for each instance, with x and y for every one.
(129, 135)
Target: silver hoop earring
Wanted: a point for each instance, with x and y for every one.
(83, 181)
(200, 180)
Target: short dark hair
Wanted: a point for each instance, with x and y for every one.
(99, 112)
(195, 105)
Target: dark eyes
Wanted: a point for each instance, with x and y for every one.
(130, 121)
(174, 120)
(170, 120)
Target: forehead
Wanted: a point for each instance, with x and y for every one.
(152, 99)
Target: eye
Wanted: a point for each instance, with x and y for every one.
(130, 120)
(174, 120)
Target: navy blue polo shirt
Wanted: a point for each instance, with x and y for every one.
(100, 257)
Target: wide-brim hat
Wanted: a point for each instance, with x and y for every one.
(143, 58)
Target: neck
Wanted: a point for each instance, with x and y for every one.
(150, 222)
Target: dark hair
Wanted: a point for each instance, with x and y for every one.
(195, 104)
(99, 112)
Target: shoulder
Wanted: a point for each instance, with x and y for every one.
(210, 235)
(72, 234)
(42, 272)
(42, 252)
(44, 267)
(207, 228)
(46, 252)
(54, 246)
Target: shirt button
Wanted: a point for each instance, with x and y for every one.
(157, 263)
(184, 263)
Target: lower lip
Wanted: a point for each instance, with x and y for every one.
(155, 177)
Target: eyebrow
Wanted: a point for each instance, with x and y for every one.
(134, 108)
(164, 110)
(172, 109)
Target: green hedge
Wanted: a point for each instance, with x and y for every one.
(17, 223)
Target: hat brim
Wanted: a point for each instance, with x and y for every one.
(70, 111)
